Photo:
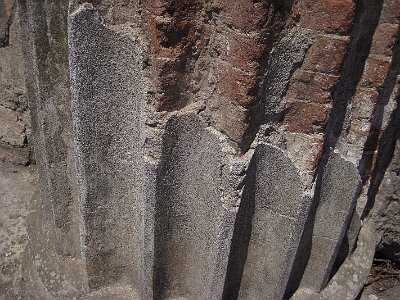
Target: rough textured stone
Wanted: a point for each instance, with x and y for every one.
(326, 55)
(16, 188)
(204, 149)
(108, 127)
(306, 118)
(327, 15)
(375, 72)
(274, 212)
(390, 11)
(387, 216)
(312, 86)
(384, 39)
(14, 115)
(189, 217)
(335, 202)
(12, 131)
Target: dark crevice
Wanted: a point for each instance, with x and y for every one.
(241, 237)
(384, 157)
(304, 250)
(349, 242)
(366, 21)
(372, 141)
(5, 27)
(273, 30)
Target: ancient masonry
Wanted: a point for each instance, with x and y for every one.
(204, 149)
(14, 113)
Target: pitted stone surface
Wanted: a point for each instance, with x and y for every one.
(275, 206)
(107, 112)
(189, 214)
(211, 149)
(335, 203)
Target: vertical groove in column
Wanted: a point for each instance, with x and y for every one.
(268, 227)
(188, 211)
(340, 184)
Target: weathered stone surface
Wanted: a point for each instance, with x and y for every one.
(16, 156)
(326, 55)
(48, 88)
(327, 15)
(375, 72)
(306, 118)
(14, 116)
(190, 218)
(211, 149)
(54, 228)
(390, 11)
(312, 86)
(387, 215)
(335, 202)
(364, 102)
(16, 189)
(107, 112)
(273, 211)
(384, 39)
(289, 53)
(12, 131)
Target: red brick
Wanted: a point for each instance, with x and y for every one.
(173, 39)
(306, 118)
(243, 14)
(242, 51)
(235, 85)
(311, 86)
(375, 72)
(384, 39)
(326, 55)
(335, 16)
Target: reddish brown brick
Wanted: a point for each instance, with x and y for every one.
(235, 85)
(311, 86)
(158, 7)
(251, 30)
(175, 33)
(243, 14)
(335, 16)
(384, 39)
(326, 55)
(375, 72)
(306, 118)
(242, 51)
